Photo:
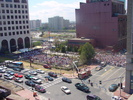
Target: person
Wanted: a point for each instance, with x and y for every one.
(34, 94)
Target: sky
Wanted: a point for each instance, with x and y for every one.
(44, 9)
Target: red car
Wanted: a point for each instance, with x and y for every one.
(18, 75)
(47, 66)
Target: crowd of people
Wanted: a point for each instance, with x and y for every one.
(113, 59)
(53, 60)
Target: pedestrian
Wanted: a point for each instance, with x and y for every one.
(89, 81)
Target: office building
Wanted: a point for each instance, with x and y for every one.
(104, 21)
(57, 23)
(129, 56)
(35, 24)
(14, 25)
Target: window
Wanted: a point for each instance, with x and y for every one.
(0, 23)
(8, 17)
(0, 28)
(23, 22)
(26, 11)
(4, 28)
(27, 26)
(7, 11)
(3, 11)
(19, 11)
(5, 34)
(27, 21)
(8, 0)
(9, 28)
(19, 22)
(23, 27)
(16, 0)
(15, 6)
(15, 11)
(10, 33)
(9, 22)
(16, 17)
(25, 6)
(24, 1)
(22, 11)
(1, 0)
(2, 5)
(7, 5)
(26, 16)
(1, 34)
(10, 5)
(20, 27)
(12, 22)
(24, 32)
(12, 27)
(12, 17)
(23, 16)
(4, 22)
(21, 32)
(0, 17)
(18, 6)
(13, 33)
(17, 33)
(16, 22)
(131, 60)
(4, 17)
(28, 32)
(19, 17)
(11, 11)
(16, 27)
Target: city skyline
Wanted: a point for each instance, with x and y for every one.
(44, 9)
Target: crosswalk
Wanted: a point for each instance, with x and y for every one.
(51, 83)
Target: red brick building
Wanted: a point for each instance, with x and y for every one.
(104, 21)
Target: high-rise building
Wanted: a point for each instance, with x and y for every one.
(35, 24)
(104, 21)
(14, 25)
(57, 23)
(129, 56)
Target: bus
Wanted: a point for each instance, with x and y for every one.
(14, 64)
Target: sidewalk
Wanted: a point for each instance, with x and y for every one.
(27, 94)
(123, 95)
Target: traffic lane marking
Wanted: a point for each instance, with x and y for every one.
(107, 71)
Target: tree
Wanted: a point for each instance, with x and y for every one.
(86, 53)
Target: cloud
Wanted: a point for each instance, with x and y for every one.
(49, 9)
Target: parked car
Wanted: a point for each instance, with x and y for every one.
(52, 74)
(19, 80)
(39, 89)
(113, 87)
(30, 83)
(92, 97)
(65, 89)
(10, 72)
(47, 66)
(40, 71)
(0, 75)
(8, 76)
(28, 76)
(36, 80)
(17, 69)
(66, 80)
(2, 70)
(18, 75)
(49, 78)
(82, 87)
(33, 72)
(98, 68)
(116, 98)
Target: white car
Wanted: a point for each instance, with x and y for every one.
(40, 71)
(36, 80)
(65, 89)
(116, 98)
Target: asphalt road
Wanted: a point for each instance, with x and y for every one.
(108, 75)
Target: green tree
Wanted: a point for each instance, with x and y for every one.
(87, 53)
